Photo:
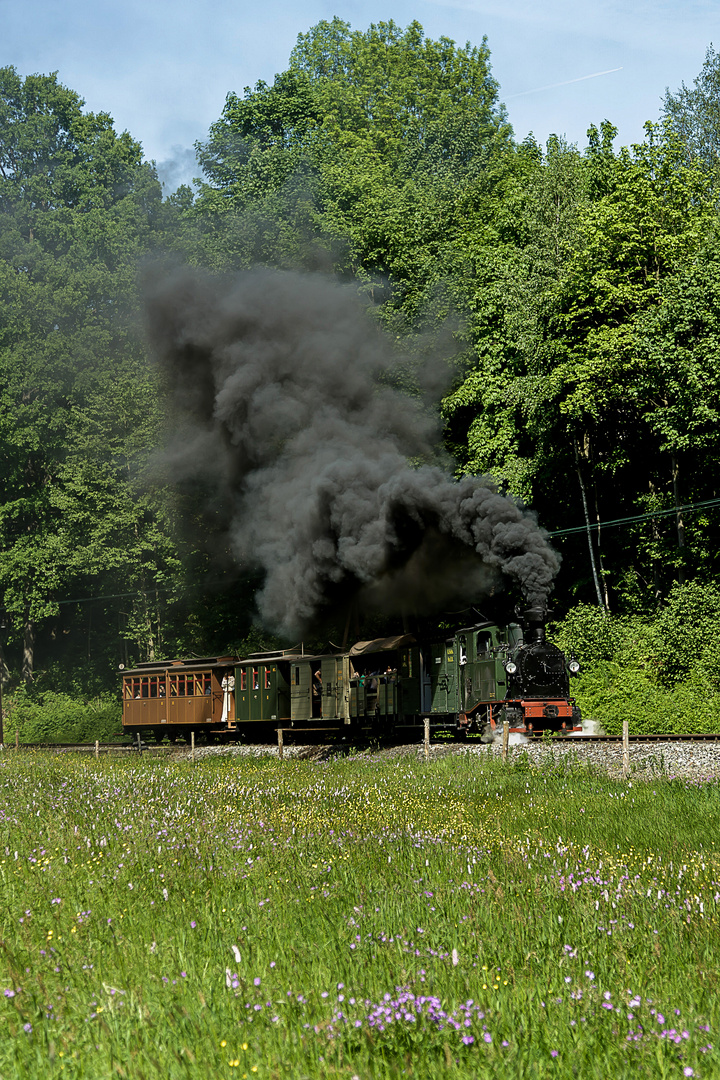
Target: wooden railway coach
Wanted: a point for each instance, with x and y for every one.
(174, 697)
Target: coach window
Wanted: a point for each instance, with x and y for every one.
(206, 683)
(243, 679)
(127, 688)
(256, 678)
(144, 689)
(190, 685)
(267, 678)
(153, 686)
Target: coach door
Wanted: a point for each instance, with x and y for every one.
(300, 690)
(255, 692)
(410, 673)
(269, 680)
(488, 671)
(283, 691)
(442, 678)
(333, 685)
(242, 695)
(388, 692)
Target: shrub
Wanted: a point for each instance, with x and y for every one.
(661, 674)
(56, 717)
(686, 630)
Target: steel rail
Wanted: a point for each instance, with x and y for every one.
(556, 740)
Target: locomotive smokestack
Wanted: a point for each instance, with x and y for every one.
(533, 621)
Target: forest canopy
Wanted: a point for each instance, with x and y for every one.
(569, 296)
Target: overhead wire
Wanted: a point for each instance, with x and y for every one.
(685, 509)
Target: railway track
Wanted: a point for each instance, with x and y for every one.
(153, 748)
(87, 748)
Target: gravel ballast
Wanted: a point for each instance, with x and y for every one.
(689, 760)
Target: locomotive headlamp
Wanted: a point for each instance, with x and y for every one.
(511, 667)
(573, 667)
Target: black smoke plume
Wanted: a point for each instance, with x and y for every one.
(281, 391)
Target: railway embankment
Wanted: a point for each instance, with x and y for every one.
(686, 759)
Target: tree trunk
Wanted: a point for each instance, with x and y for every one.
(28, 658)
(588, 527)
(150, 641)
(680, 524)
(655, 532)
(598, 527)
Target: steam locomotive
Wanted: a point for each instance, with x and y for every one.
(470, 681)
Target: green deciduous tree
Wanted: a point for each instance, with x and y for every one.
(78, 209)
(358, 149)
(649, 226)
(693, 113)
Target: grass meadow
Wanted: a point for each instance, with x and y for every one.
(254, 918)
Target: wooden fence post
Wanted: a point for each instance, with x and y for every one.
(280, 744)
(626, 750)
(506, 739)
(426, 725)
(97, 748)
(192, 747)
(17, 740)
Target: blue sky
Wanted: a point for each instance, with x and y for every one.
(162, 68)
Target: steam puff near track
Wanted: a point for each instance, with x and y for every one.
(279, 386)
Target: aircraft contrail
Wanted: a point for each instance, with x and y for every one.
(552, 86)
